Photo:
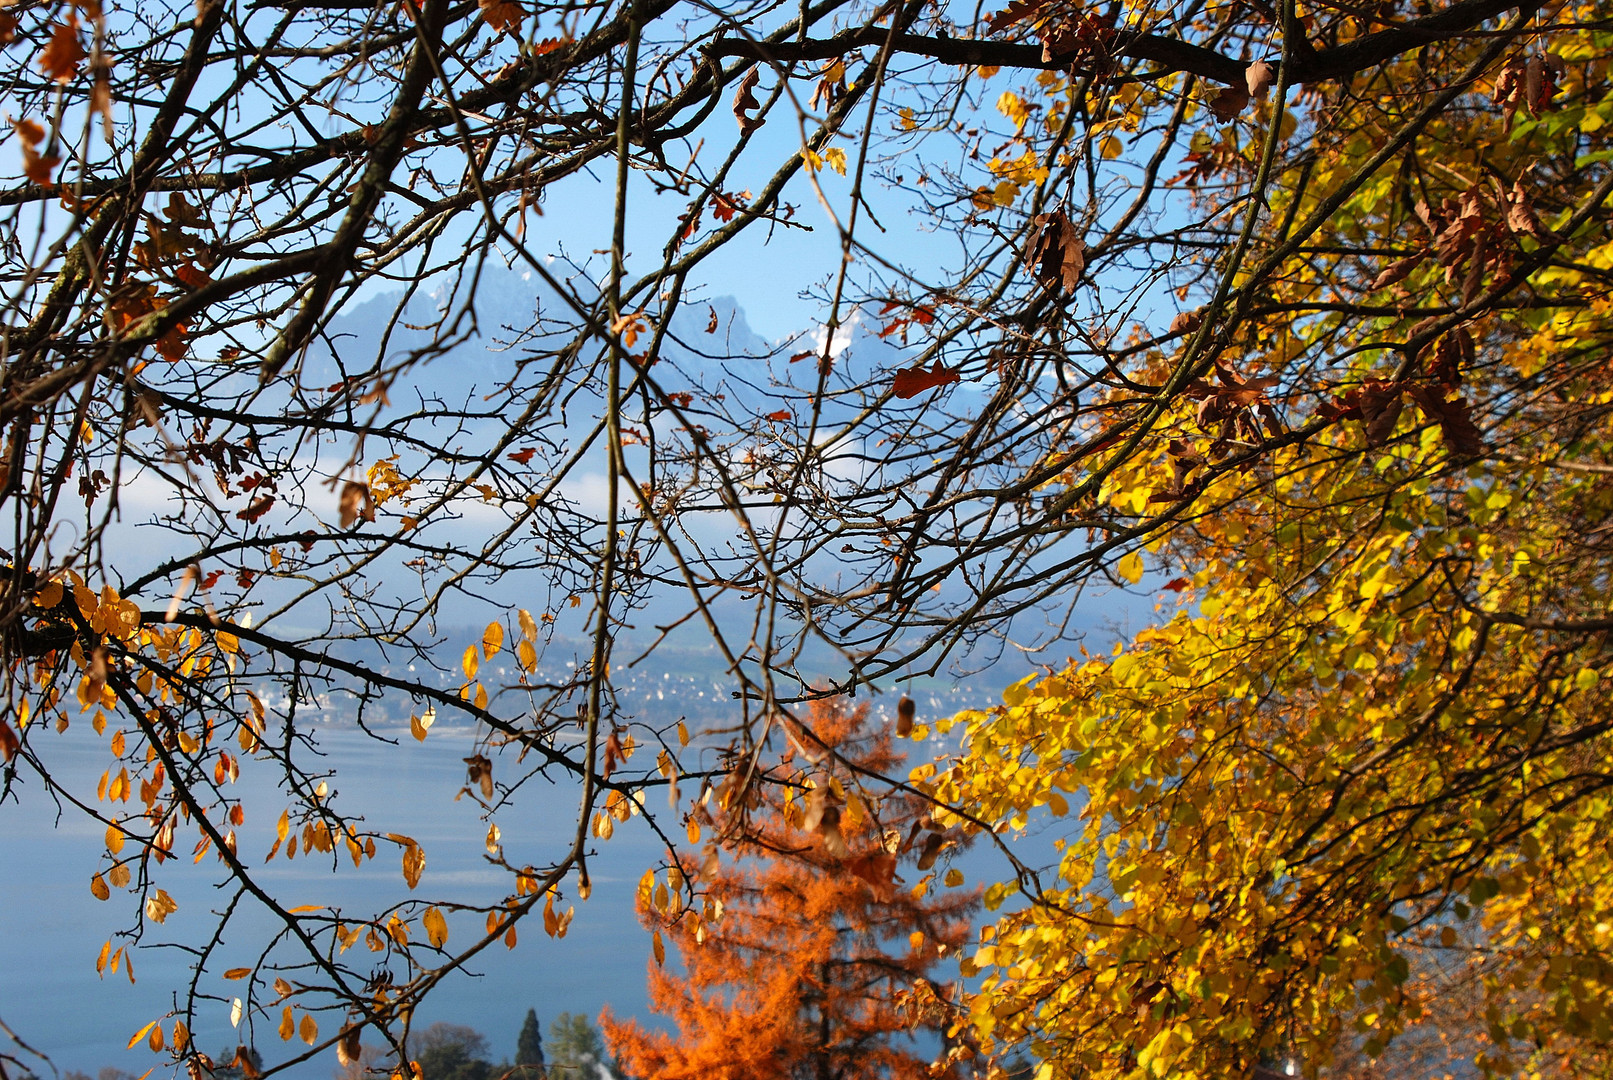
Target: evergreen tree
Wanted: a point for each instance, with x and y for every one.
(529, 1048)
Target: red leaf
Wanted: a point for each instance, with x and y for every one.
(913, 381)
(781, 414)
(1177, 584)
(521, 457)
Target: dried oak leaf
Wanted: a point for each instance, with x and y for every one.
(1017, 11)
(913, 381)
(1056, 254)
(502, 14)
(1380, 404)
(745, 101)
(60, 57)
(1454, 418)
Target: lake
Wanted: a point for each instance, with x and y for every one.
(54, 928)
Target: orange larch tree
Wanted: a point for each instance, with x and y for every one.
(810, 955)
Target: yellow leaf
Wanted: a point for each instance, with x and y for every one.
(527, 654)
(1131, 568)
(492, 639)
(288, 1024)
(529, 628)
(49, 595)
(660, 949)
(155, 1040)
(472, 662)
(310, 1029)
(436, 927)
(414, 863)
(419, 725)
(181, 1036)
(683, 734)
(141, 1034)
(98, 887)
(1110, 147)
(237, 973)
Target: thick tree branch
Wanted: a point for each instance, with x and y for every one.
(1172, 54)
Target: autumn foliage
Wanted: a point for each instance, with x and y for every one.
(816, 966)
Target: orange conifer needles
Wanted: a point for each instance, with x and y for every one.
(804, 962)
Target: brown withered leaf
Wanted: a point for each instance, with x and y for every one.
(1380, 404)
(356, 503)
(502, 14)
(1258, 78)
(1228, 102)
(1521, 216)
(1056, 254)
(479, 771)
(1454, 418)
(1397, 271)
(613, 754)
(913, 381)
(348, 1047)
(1186, 322)
(1017, 11)
(63, 53)
(932, 850)
(745, 101)
(905, 712)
